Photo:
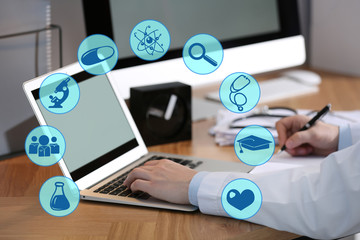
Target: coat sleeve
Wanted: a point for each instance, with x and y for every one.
(319, 201)
(355, 132)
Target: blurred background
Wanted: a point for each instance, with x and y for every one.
(38, 36)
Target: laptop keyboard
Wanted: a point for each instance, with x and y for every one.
(116, 187)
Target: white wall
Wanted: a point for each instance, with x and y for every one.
(335, 36)
(17, 59)
(17, 64)
(69, 15)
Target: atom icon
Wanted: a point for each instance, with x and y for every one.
(149, 41)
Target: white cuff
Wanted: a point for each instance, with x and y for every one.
(344, 137)
(194, 187)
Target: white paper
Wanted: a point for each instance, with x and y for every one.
(284, 161)
(223, 135)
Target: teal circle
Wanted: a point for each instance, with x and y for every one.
(257, 145)
(52, 198)
(198, 48)
(241, 185)
(239, 92)
(150, 40)
(45, 145)
(54, 87)
(98, 54)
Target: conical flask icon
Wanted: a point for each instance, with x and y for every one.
(58, 200)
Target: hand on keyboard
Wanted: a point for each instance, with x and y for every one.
(162, 179)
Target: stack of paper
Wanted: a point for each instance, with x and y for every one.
(225, 134)
(228, 125)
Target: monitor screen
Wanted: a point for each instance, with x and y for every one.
(256, 35)
(234, 22)
(186, 18)
(96, 131)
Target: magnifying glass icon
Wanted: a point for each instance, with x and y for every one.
(202, 55)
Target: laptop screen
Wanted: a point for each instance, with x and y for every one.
(96, 131)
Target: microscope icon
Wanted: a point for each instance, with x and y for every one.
(62, 87)
(236, 97)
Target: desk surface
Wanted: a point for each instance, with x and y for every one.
(21, 215)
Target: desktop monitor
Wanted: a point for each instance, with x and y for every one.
(257, 36)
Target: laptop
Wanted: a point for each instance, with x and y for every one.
(103, 143)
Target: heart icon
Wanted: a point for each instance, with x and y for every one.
(240, 200)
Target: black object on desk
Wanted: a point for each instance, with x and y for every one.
(162, 112)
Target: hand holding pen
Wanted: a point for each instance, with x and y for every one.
(300, 135)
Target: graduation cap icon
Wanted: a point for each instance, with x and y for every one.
(253, 143)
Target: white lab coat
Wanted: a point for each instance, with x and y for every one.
(321, 201)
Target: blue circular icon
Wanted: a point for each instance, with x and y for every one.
(59, 196)
(98, 54)
(59, 93)
(241, 198)
(45, 145)
(203, 54)
(150, 40)
(254, 145)
(239, 92)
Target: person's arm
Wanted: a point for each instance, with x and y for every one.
(348, 135)
(317, 201)
(321, 202)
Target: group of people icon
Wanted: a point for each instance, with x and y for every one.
(42, 148)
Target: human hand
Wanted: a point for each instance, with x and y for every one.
(320, 139)
(162, 179)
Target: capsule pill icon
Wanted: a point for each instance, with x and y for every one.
(97, 55)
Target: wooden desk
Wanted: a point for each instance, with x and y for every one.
(21, 216)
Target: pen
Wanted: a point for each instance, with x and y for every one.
(308, 125)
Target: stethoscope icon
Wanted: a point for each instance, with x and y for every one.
(236, 97)
(202, 55)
